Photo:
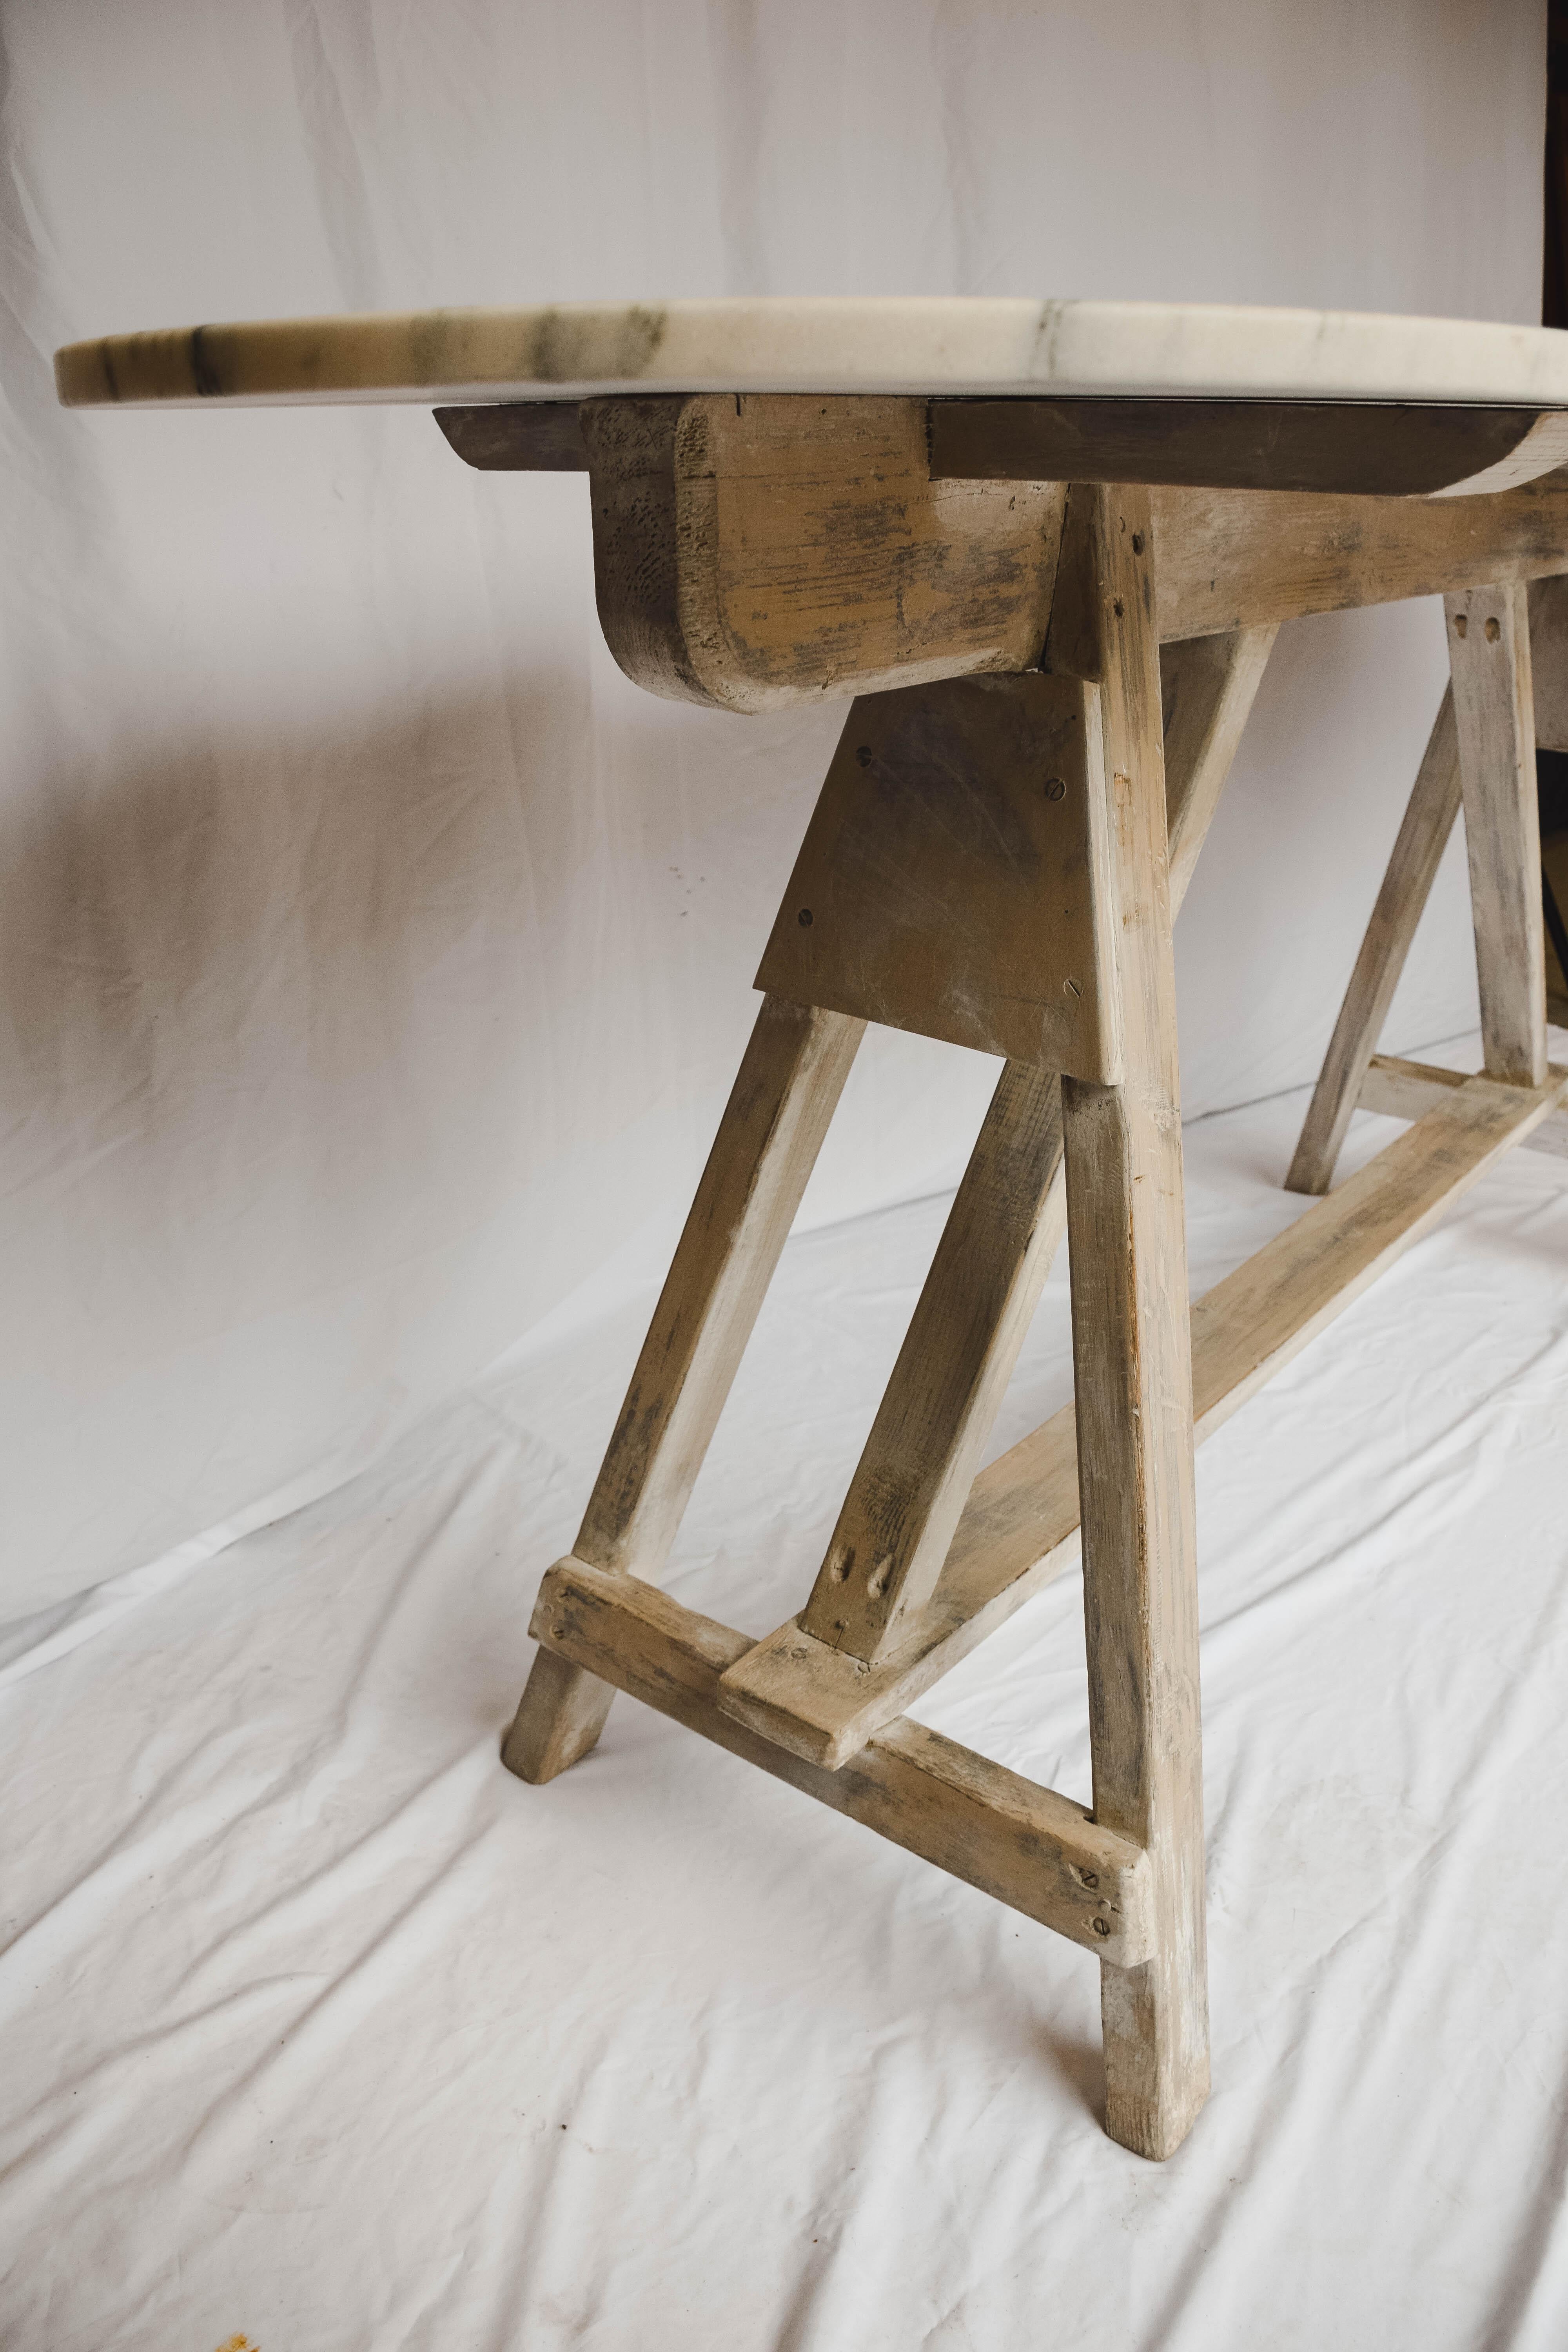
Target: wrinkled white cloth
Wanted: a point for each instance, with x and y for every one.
(322, 2030)
(375, 958)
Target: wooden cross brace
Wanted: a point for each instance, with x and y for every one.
(996, 861)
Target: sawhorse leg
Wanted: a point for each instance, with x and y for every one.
(1127, 1253)
(1422, 836)
(783, 1098)
(1482, 751)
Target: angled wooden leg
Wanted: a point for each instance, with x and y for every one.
(1488, 654)
(1207, 687)
(1417, 853)
(789, 1084)
(953, 1370)
(1133, 1363)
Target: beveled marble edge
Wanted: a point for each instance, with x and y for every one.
(974, 345)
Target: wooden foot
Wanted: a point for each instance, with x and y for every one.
(1423, 837)
(1132, 1361)
(559, 1718)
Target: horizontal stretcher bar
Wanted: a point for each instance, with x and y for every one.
(1399, 1089)
(1020, 1526)
(1035, 1851)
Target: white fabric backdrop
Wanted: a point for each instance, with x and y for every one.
(375, 958)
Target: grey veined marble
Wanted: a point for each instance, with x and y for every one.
(892, 345)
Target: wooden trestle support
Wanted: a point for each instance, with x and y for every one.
(996, 861)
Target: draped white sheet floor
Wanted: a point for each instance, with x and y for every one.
(322, 2031)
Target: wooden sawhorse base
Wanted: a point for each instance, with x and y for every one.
(996, 862)
(1508, 691)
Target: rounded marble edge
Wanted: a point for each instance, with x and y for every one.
(973, 345)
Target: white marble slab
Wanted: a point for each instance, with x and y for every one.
(945, 345)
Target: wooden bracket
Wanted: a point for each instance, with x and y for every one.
(957, 876)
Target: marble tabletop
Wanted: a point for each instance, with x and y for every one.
(944, 345)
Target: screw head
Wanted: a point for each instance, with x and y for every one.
(865, 755)
(1102, 1926)
(804, 918)
(1055, 789)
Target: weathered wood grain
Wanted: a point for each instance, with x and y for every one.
(755, 552)
(1239, 558)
